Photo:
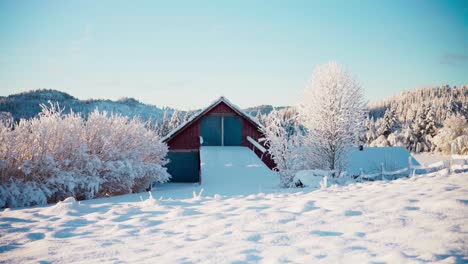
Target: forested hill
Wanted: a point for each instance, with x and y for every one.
(27, 105)
(443, 100)
(262, 109)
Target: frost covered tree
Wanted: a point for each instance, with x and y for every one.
(390, 122)
(371, 133)
(6, 118)
(283, 141)
(187, 116)
(445, 101)
(424, 129)
(420, 115)
(333, 113)
(164, 127)
(175, 120)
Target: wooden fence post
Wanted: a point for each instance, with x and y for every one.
(410, 164)
(382, 170)
(450, 164)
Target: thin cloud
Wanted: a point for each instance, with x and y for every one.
(453, 59)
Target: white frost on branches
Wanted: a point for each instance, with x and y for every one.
(333, 113)
(452, 138)
(283, 141)
(56, 155)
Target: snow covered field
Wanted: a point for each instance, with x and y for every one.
(417, 220)
(427, 158)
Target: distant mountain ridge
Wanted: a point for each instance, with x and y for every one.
(27, 105)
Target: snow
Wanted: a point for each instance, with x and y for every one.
(428, 158)
(418, 220)
(235, 171)
(256, 144)
(393, 158)
(311, 178)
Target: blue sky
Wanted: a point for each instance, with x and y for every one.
(187, 53)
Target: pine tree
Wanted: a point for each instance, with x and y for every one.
(390, 122)
(175, 120)
(187, 116)
(164, 128)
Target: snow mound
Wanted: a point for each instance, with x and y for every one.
(150, 203)
(63, 207)
(311, 178)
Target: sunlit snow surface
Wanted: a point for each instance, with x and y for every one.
(417, 220)
(235, 170)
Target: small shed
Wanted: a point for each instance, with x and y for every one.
(370, 159)
(220, 124)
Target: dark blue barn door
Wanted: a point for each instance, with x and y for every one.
(184, 166)
(232, 131)
(221, 130)
(211, 130)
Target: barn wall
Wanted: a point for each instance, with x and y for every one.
(189, 138)
(221, 108)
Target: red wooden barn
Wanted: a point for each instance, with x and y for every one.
(220, 124)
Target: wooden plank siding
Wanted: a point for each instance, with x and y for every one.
(189, 137)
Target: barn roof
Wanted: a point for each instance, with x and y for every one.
(200, 113)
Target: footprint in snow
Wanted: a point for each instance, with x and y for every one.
(358, 248)
(360, 234)
(326, 233)
(286, 220)
(353, 213)
(254, 238)
(36, 236)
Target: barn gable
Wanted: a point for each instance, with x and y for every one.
(220, 124)
(220, 106)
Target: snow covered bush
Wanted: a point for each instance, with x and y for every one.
(460, 145)
(16, 193)
(381, 141)
(454, 127)
(56, 155)
(283, 141)
(333, 113)
(128, 153)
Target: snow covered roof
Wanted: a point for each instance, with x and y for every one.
(200, 113)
